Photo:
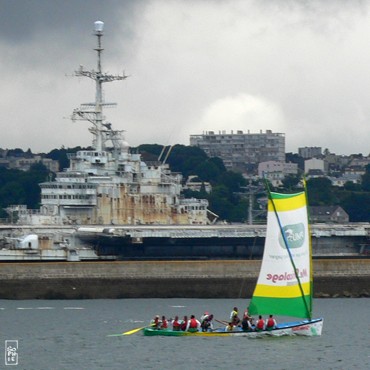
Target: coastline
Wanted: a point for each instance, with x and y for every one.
(167, 279)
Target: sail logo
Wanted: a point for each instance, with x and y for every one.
(287, 276)
(294, 236)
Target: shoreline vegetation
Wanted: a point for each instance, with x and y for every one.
(228, 198)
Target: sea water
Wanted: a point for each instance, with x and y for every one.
(66, 334)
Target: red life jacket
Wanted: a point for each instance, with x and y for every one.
(175, 324)
(270, 323)
(164, 324)
(260, 324)
(183, 325)
(193, 324)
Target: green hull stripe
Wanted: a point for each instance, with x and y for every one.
(279, 306)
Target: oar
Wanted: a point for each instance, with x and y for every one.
(222, 322)
(133, 331)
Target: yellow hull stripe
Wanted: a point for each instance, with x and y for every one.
(281, 291)
(288, 204)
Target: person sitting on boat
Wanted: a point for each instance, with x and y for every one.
(234, 316)
(270, 323)
(246, 315)
(193, 324)
(164, 323)
(207, 324)
(247, 323)
(260, 324)
(204, 316)
(176, 324)
(156, 322)
(184, 323)
(229, 327)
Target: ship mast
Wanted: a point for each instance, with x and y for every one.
(93, 112)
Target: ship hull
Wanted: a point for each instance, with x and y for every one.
(308, 328)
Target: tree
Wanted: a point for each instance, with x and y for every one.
(366, 179)
(290, 182)
(320, 192)
(357, 205)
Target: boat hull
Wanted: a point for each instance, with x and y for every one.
(305, 328)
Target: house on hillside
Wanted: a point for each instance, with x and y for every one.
(335, 214)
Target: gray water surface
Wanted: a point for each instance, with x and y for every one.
(56, 334)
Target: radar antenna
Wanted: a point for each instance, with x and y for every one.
(93, 112)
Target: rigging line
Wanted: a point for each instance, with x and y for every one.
(288, 249)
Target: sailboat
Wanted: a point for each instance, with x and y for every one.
(285, 283)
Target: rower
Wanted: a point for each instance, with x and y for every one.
(270, 323)
(234, 316)
(260, 325)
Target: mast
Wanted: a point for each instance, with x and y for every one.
(93, 112)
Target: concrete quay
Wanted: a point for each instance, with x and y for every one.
(167, 279)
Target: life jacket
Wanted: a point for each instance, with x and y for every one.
(164, 324)
(176, 325)
(270, 323)
(233, 314)
(183, 325)
(260, 324)
(156, 323)
(193, 324)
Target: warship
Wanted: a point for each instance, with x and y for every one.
(113, 202)
(110, 184)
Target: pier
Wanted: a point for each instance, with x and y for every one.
(167, 279)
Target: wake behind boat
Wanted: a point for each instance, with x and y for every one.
(285, 282)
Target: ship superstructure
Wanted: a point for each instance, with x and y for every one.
(109, 184)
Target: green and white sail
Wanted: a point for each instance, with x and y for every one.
(284, 286)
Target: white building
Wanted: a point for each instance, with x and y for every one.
(314, 164)
(275, 171)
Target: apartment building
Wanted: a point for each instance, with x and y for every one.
(242, 151)
(310, 152)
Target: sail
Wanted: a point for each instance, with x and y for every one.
(284, 284)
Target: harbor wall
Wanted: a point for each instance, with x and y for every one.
(167, 279)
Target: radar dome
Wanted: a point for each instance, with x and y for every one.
(98, 26)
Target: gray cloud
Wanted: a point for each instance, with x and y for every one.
(296, 67)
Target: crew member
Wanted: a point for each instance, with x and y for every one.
(204, 316)
(193, 324)
(184, 323)
(260, 324)
(207, 324)
(247, 324)
(176, 324)
(270, 323)
(156, 322)
(234, 318)
(164, 324)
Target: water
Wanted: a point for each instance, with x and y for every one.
(56, 334)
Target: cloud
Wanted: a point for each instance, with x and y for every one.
(301, 68)
(242, 112)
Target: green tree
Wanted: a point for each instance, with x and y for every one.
(320, 192)
(366, 179)
(290, 182)
(357, 205)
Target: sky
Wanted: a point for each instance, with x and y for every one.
(301, 68)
